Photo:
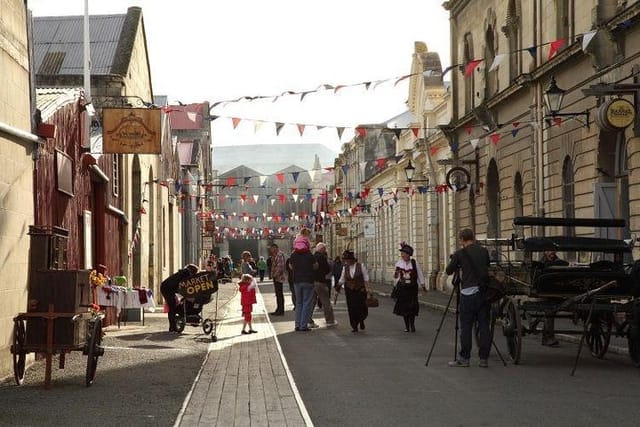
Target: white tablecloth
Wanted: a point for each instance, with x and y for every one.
(123, 298)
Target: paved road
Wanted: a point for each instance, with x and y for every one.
(379, 378)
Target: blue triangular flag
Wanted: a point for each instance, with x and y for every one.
(295, 176)
(514, 132)
(532, 51)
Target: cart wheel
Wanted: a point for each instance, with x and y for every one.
(94, 350)
(19, 355)
(599, 335)
(207, 326)
(512, 330)
(633, 337)
(180, 323)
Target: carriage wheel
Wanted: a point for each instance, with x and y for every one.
(633, 337)
(599, 334)
(19, 355)
(94, 350)
(207, 326)
(512, 330)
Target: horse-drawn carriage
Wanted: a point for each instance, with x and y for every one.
(594, 286)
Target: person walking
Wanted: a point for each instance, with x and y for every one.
(292, 289)
(262, 268)
(247, 287)
(169, 288)
(473, 260)
(277, 272)
(408, 277)
(336, 270)
(355, 279)
(322, 285)
(303, 265)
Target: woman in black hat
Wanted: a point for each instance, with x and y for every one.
(355, 279)
(408, 277)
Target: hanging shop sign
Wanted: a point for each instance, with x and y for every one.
(458, 178)
(131, 130)
(615, 114)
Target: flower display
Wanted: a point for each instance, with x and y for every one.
(97, 279)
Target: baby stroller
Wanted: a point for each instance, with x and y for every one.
(190, 307)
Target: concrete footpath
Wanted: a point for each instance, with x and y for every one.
(245, 380)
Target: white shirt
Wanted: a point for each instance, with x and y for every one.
(406, 265)
(352, 271)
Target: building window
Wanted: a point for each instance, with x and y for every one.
(568, 194)
(491, 77)
(469, 82)
(115, 177)
(512, 32)
(493, 200)
(563, 20)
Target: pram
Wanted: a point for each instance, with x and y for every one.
(196, 292)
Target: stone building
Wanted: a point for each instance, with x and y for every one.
(534, 159)
(18, 145)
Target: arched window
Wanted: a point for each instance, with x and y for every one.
(493, 200)
(469, 82)
(563, 20)
(568, 194)
(490, 77)
(512, 32)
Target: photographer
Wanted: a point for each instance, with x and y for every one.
(473, 260)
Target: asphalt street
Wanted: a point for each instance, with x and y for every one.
(378, 377)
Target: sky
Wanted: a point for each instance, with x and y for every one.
(223, 50)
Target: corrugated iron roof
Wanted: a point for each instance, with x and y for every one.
(50, 100)
(58, 43)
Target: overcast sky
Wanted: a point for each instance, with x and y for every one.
(216, 50)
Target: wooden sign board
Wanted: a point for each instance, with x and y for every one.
(201, 285)
(131, 130)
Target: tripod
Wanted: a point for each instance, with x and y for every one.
(446, 310)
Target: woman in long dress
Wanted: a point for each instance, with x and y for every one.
(408, 277)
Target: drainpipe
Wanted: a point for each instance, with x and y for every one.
(435, 255)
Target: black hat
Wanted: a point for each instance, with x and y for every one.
(406, 249)
(349, 255)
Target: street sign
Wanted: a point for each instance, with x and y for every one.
(207, 243)
(369, 228)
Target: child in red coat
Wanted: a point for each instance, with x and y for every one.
(247, 287)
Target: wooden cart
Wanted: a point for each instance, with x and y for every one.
(57, 321)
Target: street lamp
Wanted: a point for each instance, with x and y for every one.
(553, 98)
(409, 171)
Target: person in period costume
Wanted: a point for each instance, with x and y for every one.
(355, 280)
(408, 277)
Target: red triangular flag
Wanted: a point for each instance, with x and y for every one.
(235, 121)
(380, 163)
(495, 137)
(471, 66)
(280, 177)
(468, 128)
(434, 150)
(231, 181)
(415, 131)
(555, 46)
(301, 129)
(361, 131)
(557, 121)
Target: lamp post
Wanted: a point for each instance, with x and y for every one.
(410, 171)
(553, 98)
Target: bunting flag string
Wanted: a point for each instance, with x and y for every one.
(466, 68)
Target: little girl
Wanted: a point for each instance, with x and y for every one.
(301, 243)
(247, 287)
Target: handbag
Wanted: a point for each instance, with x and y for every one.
(372, 301)
(394, 292)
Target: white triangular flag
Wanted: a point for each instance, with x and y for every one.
(363, 166)
(474, 142)
(263, 178)
(295, 197)
(312, 174)
(191, 116)
(497, 61)
(586, 39)
(255, 198)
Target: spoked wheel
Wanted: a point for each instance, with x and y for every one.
(19, 355)
(633, 336)
(599, 334)
(207, 326)
(94, 350)
(512, 330)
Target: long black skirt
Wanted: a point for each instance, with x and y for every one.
(407, 301)
(356, 306)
